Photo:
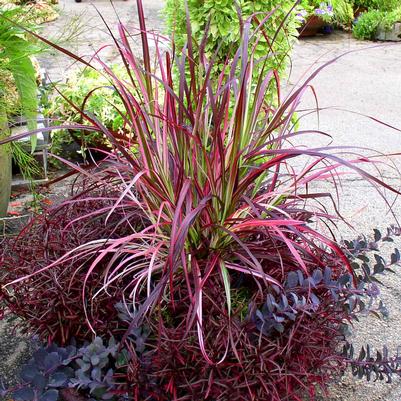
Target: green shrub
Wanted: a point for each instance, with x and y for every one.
(368, 4)
(367, 24)
(103, 102)
(224, 32)
(18, 75)
(390, 18)
(34, 11)
(339, 12)
(382, 5)
(9, 92)
(387, 5)
(343, 12)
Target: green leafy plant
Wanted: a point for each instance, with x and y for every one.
(343, 12)
(366, 4)
(381, 14)
(387, 5)
(367, 24)
(27, 2)
(221, 21)
(390, 18)
(382, 5)
(34, 11)
(337, 12)
(310, 8)
(15, 57)
(91, 91)
(17, 68)
(26, 162)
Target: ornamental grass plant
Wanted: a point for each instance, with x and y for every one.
(197, 243)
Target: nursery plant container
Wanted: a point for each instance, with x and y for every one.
(312, 26)
(393, 35)
(327, 29)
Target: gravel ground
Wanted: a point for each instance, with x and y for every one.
(14, 351)
(84, 22)
(367, 80)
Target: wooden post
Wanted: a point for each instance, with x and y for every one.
(5, 164)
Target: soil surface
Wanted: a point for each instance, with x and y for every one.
(366, 79)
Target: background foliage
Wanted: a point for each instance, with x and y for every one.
(221, 21)
(17, 69)
(379, 14)
(91, 91)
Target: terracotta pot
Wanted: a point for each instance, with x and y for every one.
(311, 27)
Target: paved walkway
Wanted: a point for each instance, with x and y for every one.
(367, 81)
(84, 22)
